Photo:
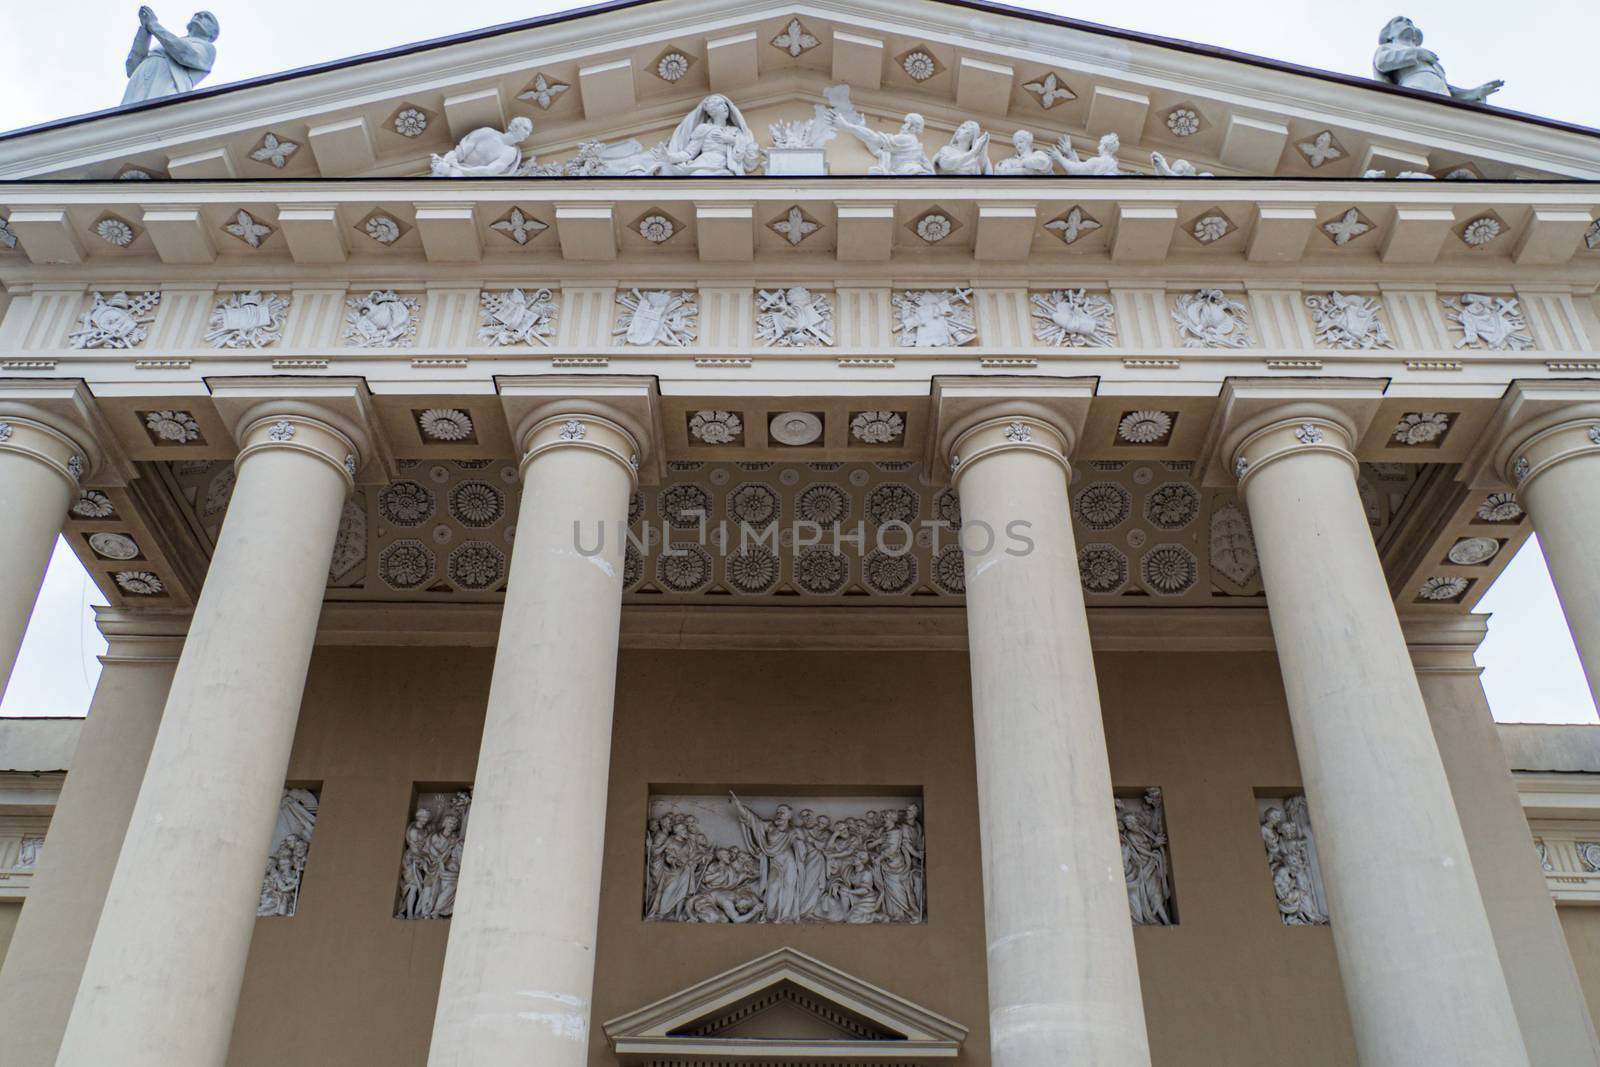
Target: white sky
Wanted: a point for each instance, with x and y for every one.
(66, 58)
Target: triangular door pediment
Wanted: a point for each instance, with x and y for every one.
(625, 72)
(779, 1008)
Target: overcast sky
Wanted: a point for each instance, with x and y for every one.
(66, 58)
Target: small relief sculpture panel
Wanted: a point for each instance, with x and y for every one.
(1209, 318)
(1233, 545)
(382, 319)
(1348, 320)
(794, 318)
(286, 859)
(518, 317)
(1491, 322)
(934, 318)
(248, 320)
(767, 860)
(669, 317)
(430, 867)
(1073, 318)
(1292, 859)
(1146, 866)
(120, 320)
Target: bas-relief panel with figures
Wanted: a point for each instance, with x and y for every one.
(731, 859)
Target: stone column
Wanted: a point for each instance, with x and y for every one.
(1555, 465)
(39, 471)
(47, 953)
(1544, 984)
(519, 968)
(1420, 968)
(162, 980)
(1063, 977)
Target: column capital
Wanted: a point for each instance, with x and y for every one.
(1539, 424)
(144, 636)
(1259, 420)
(978, 416)
(618, 416)
(329, 418)
(58, 423)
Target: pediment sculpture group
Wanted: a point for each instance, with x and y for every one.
(715, 139)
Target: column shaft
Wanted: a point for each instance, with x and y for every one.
(1420, 969)
(1562, 496)
(519, 969)
(1533, 949)
(1063, 976)
(162, 981)
(45, 961)
(36, 488)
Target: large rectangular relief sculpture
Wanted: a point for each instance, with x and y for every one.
(771, 859)
(286, 859)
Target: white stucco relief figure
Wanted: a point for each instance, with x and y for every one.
(1492, 322)
(794, 317)
(1073, 318)
(518, 317)
(485, 153)
(1233, 545)
(1209, 318)
(1401, 60)
(1027, 158)
(1292, 859)
(1178, 168)
(248, 320)
(899, 154)
(813, 862)
(1142, 828)
(797, 147)
(161, 63)
(120, 320)
(934, 318)
(1348, 320)
(382, 319)
(1102, 164)
(966, 153)
(657, 317)
(286, 861)
(713, 139)
(430, 867)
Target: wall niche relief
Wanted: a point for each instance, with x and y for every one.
(777, 859)
(1292, 859)
(430, 866)
(286, 858)
(1146, 863)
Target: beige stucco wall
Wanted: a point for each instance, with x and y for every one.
(1582, 927)
(1229, 985)
(9, 910)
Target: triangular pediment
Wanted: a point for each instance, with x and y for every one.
(632, 71)
(779, 1008)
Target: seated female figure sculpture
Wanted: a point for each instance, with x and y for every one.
(712, 139)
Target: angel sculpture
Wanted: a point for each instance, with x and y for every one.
(1028, 160)
(1401, 60)
(1178, 168)
(712, 139)
(1102, 164)
(899, 154)
(967, 153)
(485, 153)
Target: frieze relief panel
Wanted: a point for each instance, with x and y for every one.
(290, 848)
(513, 318)
(767, 859)
(430, 865)
(1292, 860)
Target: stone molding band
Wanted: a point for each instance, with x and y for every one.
(1008, 433)
(39, 441)
(582, 430)
(283, 431)
(1293, 435)
(1571, 438)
